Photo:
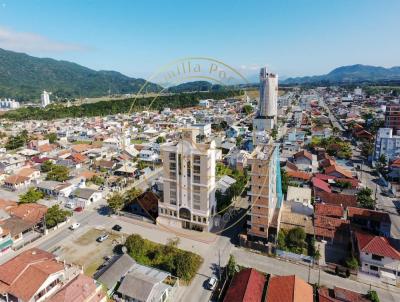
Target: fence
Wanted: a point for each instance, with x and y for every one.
(293, 256)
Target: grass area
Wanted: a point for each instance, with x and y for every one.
(169, 257)
(137, 141)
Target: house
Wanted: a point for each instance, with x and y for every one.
(303, 160)
(29, 212)
(11, 163)
(246, 286)
(83, 197)
(32, 174)
(16, 182)
(149, 155)
(376, 222)
(17, 229)
(337, 171)
(145, 205)
(5, 240)
(337, 199)
(289, 289)
(377, 256)
(320, 186)
(55, 188)
(33, 275)
(338, 294)
(224, 183)
(331, 229)
(136, 282)
(80, 289)
(299, 177)
(328, 210)
(299, 199)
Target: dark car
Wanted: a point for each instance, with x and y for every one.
(117, 227)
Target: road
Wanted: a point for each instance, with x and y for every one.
(277, 267)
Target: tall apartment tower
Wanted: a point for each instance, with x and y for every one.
(265, 193)
(265, 119)
(189, 183)
(392, 117)
(45, 98)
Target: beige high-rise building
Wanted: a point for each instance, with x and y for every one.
(264, 209)
(189, 183)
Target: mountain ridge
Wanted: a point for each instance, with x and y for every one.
(349, 74)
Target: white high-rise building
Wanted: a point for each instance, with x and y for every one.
(265, 119)
(45, 98)
(188, 183)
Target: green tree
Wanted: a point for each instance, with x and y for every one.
(186, 266)
(284, 180)
(282, 239)
(295, 240)
(364, 198)
(274, 132)
(352, 263)
(52, 137)
(231, 266)
(247, 109)
(132, 194)
(31, 196)
(367, 148)
(15, 142)
(46, 166)
(136, 247)
(115, 202)
(160, 140)
(56, 215)
(58, 173)
(373, 296)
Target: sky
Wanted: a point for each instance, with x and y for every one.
(290, 37)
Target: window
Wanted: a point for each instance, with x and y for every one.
(261, 229)
(172, 166)
(373, 268)
(196, 179)
(196, 169)
(196, 159)
(172, 156)
(376, 257)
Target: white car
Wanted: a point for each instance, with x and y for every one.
(212, 283)
(75, 226)
(102, 238)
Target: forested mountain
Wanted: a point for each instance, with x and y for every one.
(352, 74)
(24, 77)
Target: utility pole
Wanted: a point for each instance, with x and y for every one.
(219, 264)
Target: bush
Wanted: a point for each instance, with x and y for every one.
(182, 264)
(373, 296)
(352, 263)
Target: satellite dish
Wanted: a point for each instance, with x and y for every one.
(124, 249)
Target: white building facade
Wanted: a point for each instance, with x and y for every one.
(188, 183)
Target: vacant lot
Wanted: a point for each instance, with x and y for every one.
(89, 253)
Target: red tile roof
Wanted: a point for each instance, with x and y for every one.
(337, 169)
(23, 275)
(303, 153)
(338, 294)
(328, 226)
(376, 245)
(289, 289)
(324, 209)
(16, 179)
(338, 199)
(81, 289)
(30, 212)
(320, 184)
(299, 174)
(368, 214)
(246, 286)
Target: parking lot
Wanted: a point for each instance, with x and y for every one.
(86, 251)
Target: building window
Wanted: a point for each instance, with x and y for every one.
(261, 229)
(377, 257)
(172, 156)
(373, 268)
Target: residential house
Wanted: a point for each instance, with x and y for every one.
(145, 205)
(299, 200)
(288, 289)
(83, 197)
(16, 182)
(338, 294)
(337, 199)
(377, 222)
(338, 171)
(33, 275)
(80, 289)
(303, 160)
(378, 257)
(246, 286)
(55, 188)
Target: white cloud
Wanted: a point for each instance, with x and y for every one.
(31, 42)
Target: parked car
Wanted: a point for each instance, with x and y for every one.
(117, 227)
(78, 209)
(75, 226)
(102, 238)
(212, 283)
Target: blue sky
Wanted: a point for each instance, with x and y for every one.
(293, 38)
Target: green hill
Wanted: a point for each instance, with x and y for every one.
(24, 77)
